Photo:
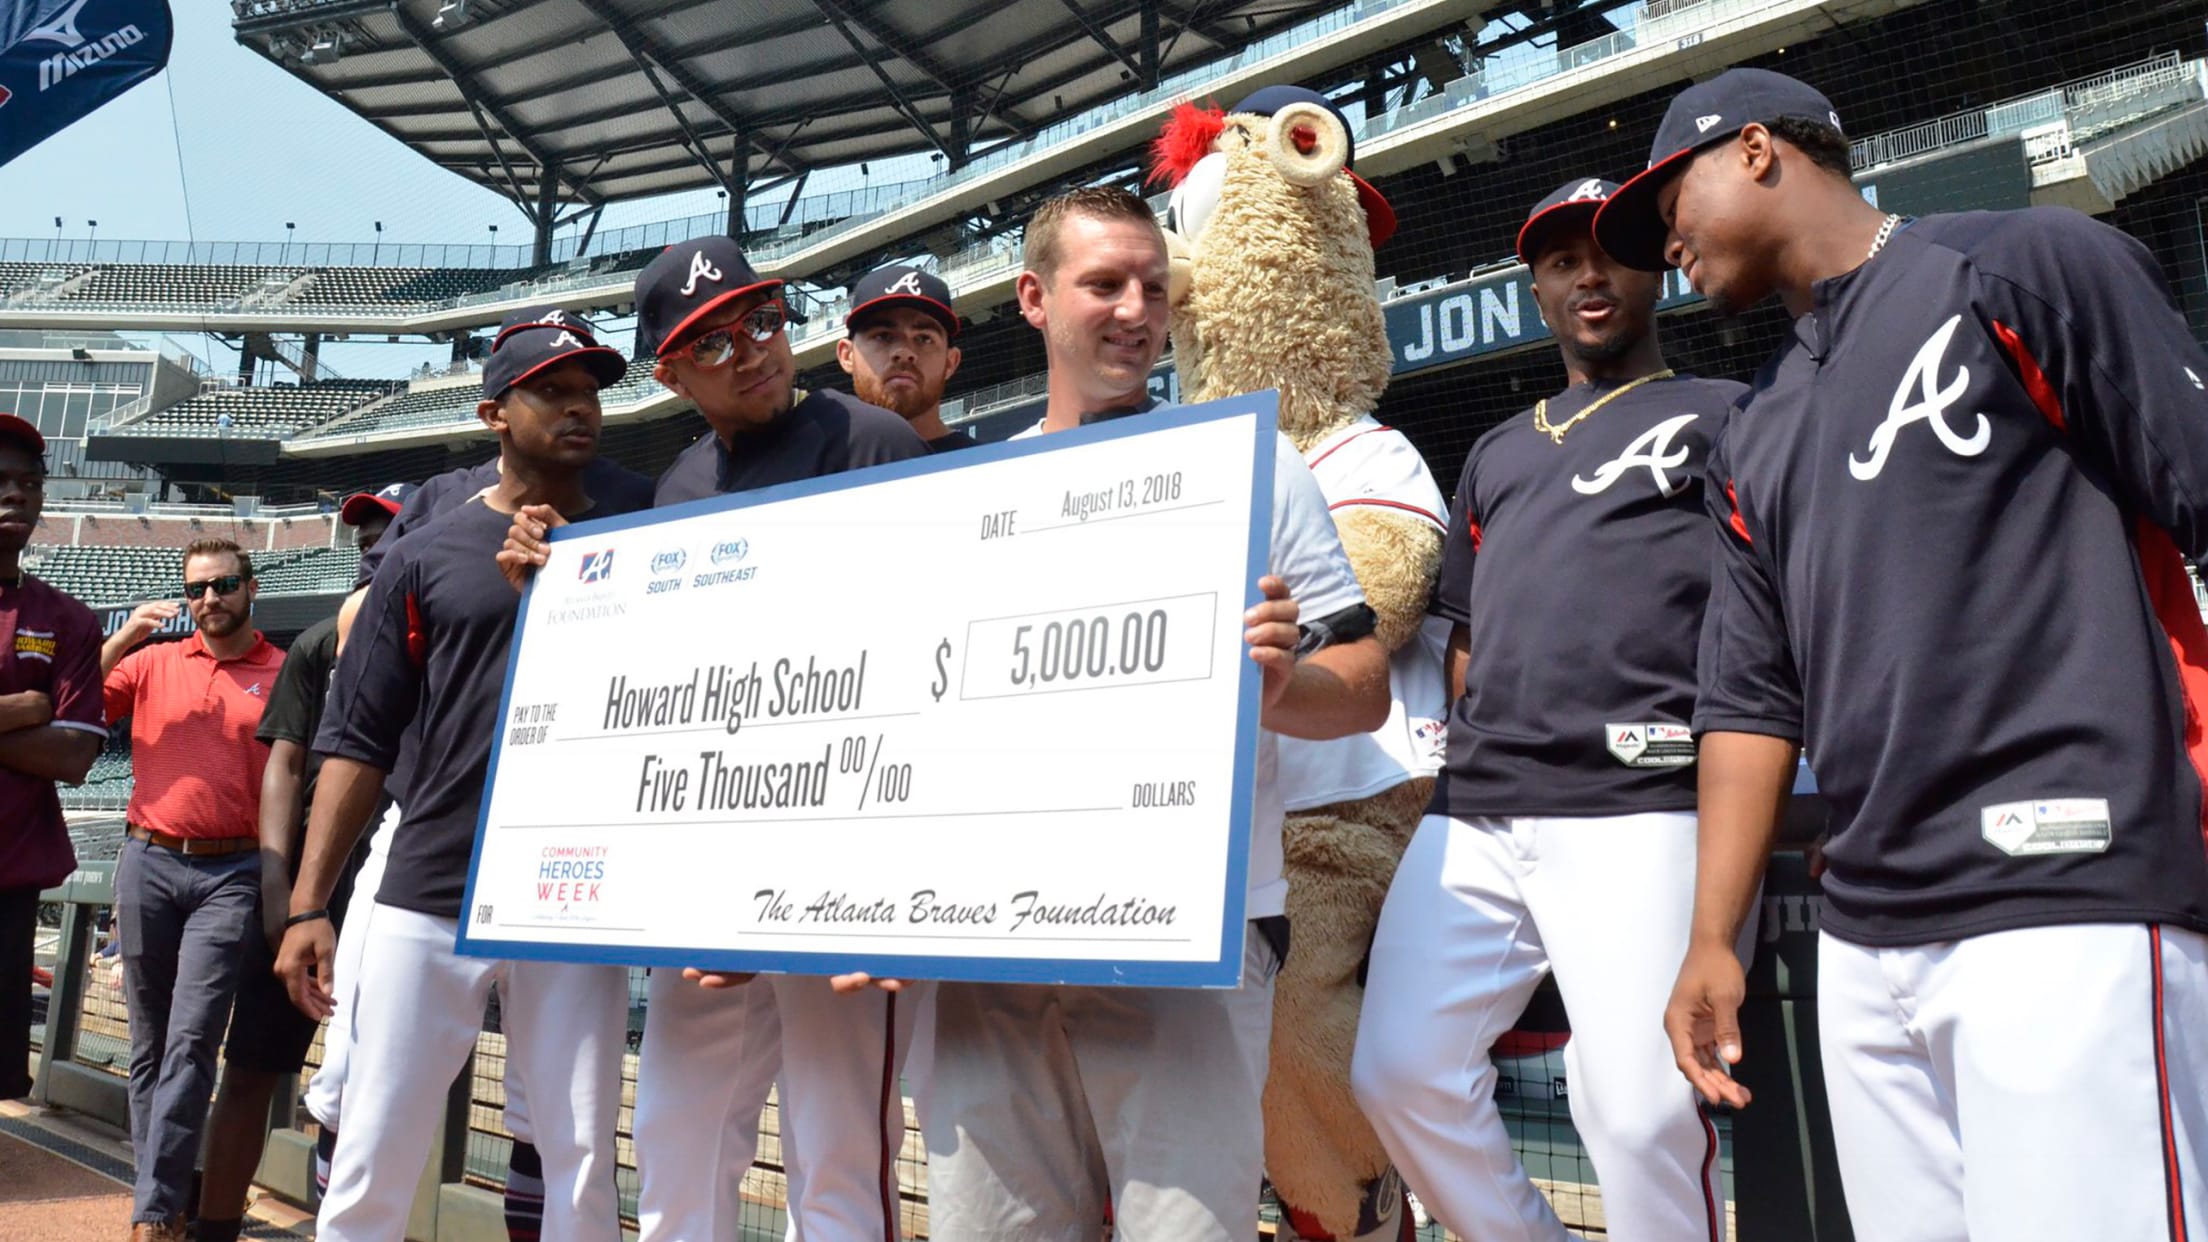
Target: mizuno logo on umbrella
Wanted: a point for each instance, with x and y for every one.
(61, 28)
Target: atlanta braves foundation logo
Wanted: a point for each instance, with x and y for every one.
(1651, 450)
(1930, 406)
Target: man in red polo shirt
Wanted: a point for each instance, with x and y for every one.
(187, 891)
(50, 730)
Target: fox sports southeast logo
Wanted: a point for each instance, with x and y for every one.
(730, 551)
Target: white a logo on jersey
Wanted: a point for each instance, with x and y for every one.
(1930, 406)
(1652, 449)
(907, 283)
(700, 266)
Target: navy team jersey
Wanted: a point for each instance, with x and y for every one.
(1581, 569)
(823, 433)
(428, 657)
(1952, 514)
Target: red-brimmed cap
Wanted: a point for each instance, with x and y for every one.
(686, 282)
(1574, 200)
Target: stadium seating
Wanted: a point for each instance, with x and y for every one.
(263, 411)
(455, 404)
(381, 288)
(111, 575)
(106, 788)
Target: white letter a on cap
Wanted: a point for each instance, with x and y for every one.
(700, 266)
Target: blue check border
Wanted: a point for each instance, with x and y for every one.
(1223, 971)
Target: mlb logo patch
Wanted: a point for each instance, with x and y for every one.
(596, 567)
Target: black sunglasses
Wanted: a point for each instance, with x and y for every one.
(225, 585)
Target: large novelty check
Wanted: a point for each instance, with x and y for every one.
(985, 716)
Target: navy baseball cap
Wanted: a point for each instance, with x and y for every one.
(685, 283)
(21, 433)
(365, 506)
(542, 336)
(1379, 216)
(1629, 226)
(899, 285)
(1574, 202)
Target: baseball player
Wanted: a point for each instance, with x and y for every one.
(1954, 511)
(1054, 1108)
(1561, 835)
(710, 1052)
(899, 353)
(269, 1036)
(435, 633)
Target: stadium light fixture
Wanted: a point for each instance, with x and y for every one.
(93, 225)
(449, 14)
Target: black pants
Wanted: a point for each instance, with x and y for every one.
(18, 927)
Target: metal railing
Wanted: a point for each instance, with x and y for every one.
(2088, 105)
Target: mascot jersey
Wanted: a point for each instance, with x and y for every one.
(1367, 464)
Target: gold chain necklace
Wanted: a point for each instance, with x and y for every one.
(1556, 432)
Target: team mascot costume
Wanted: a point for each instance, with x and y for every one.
(1271, 238)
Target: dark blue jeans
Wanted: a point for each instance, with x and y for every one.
(183, 923)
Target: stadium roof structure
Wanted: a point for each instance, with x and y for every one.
(575, 103)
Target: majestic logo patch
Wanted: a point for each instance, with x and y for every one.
(907, 283)
(1703, 124)
(1930, 406)
(1651, 449)
(2047, 826)
(700, 266)
(596, 566)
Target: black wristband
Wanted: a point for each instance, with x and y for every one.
(306, 916)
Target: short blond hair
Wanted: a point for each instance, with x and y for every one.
(1039, 253)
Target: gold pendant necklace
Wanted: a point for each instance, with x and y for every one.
(1556, 432)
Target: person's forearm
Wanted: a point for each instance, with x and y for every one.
(1745, 779)
(347, 613)
(50, 752)
(118, 645)
(283, 781)
(345, 794)
(1334, 692)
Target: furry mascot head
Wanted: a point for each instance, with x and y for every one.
(1271, 239)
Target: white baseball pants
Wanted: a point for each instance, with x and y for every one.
(325, 1095)
(2041, 1085)
(565, 1032)
(839, 1062)
(1481, 910)
(1048, 1104)
(326, 1090)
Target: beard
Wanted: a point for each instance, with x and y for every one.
(222, 623)
(905, 402)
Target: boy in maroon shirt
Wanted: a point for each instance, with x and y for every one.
(50, 730)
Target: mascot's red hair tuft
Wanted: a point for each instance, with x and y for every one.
(1187, 138)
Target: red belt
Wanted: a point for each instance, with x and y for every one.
(199, 847)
